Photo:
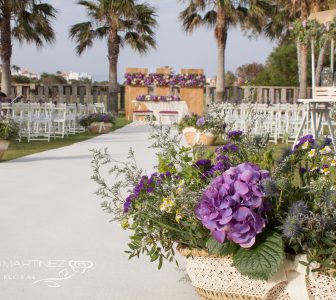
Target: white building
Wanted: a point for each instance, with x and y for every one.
(26, 73)
(76, 76)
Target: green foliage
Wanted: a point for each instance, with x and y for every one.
(281, 67)
(20, 79)
(228, 248)
(47, 78)
(263, 259)
(9, 130)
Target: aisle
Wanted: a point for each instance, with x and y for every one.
(50, 222)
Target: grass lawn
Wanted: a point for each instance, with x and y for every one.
(17, 149)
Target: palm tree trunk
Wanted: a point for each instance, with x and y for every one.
(221, 36)
(303, 71)
(6, 52)
(113, 56)
(320, 62)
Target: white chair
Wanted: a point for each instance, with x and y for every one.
(59, 121)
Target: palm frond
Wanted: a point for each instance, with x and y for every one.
(83, 35)
(33, 24)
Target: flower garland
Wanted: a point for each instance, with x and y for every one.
(182, 80)
(155, 98)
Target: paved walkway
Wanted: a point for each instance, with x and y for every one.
(50, 221)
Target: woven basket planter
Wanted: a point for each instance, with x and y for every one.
(215, 278)
(197, 138)
(100, 127)
(3, 147)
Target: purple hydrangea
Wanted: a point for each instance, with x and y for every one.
(234, 206)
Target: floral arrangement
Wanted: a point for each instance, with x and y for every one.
(237, 201)
(9, 130)
(155, 98)
(183, 80)
(305, 31)
(206, 123)
(96, 117)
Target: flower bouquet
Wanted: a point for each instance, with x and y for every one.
(98, 123)
(9, 130)
(250, 226)
(144, 98)
(201, 130)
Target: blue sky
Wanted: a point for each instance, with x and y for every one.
(175, 48)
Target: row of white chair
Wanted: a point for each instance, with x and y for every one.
(281, 121)
(43, 121)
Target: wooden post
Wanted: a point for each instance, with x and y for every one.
(81, 95)
(193, 96)
(74, 93)
(131, 92)
(88, 93)
(60, 94)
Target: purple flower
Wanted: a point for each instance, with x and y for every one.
(200, 122)
(305, 139)
(234, 205)
(234, 134)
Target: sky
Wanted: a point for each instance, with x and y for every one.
(175, 48)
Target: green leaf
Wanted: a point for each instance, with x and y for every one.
(264, 259)
(214, 247)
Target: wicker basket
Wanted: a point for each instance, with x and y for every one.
(3, 147)
(215, 278)
(196, 138)
(100, 127)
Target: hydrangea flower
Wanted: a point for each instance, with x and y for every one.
(234, 205)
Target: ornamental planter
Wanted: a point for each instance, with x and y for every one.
(196, 138)
(215, 278)
(4, 144)
(100, 127)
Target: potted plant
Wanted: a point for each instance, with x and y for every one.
(250, 226)
(98, 123)
(199, 130)
(9, 130)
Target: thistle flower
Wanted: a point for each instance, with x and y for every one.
(298, 208)
(291, 228)
(270, 188)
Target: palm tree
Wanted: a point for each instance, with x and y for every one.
(221, 15)
(25, 21)
(121, 22)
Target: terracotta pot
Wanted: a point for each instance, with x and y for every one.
(3, 147)
(100, 127)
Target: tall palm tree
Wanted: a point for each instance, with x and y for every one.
(26, 21)
(221, 15)
(121, 22)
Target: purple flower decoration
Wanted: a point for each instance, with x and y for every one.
(234, 134)
(234, 206)
(307, 138)
(200, 122)
(146, 185)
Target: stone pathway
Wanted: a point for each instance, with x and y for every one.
(52, 229)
